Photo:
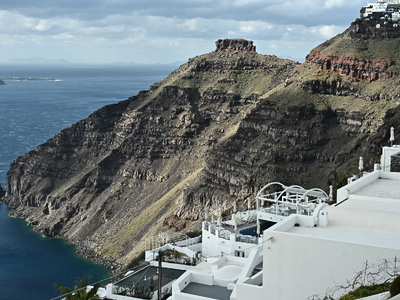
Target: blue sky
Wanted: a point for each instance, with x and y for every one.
(165, 31)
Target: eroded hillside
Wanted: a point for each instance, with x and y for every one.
(216, 130)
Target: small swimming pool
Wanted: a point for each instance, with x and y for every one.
(252, 231)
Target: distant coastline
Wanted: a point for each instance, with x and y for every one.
(24, 79)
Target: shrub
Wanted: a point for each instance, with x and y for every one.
(395, 287)
(348, 297)
(365, 291)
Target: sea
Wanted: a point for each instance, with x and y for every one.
(36, 103)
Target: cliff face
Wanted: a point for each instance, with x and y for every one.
(2, 192)
(359, 69)
(109, 180)
(362, 52)
(216, 130)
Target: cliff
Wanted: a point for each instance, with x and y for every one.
(216, 130)
(359, 69)
(2, 192)
(362, 52)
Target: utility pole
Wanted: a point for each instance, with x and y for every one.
(159, 274)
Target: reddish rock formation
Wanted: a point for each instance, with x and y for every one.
(235, 44)
(353, 67)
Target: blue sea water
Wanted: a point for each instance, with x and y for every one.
(30, 113)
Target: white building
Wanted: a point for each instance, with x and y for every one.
(306, 254)
(381, 6)
(294, 245)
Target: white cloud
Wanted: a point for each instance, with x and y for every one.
(334, 3)
(329, 31)
(64, 37)
(246, 2)
(247, 29)
(193, 25)
(165, 31)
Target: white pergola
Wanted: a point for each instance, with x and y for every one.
(292, 197)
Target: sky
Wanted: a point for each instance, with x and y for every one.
(165, 31)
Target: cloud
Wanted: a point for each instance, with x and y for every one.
(329, 31)
(120, 29)
(333, 3)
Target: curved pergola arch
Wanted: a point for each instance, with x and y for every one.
(294, 196)
(268, 185)
(316, 190)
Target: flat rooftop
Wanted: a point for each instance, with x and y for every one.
(208, 291)
(360, 236)
(362, 220)
(142, 277)
(381, 188)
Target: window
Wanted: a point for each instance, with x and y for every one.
(239, 253)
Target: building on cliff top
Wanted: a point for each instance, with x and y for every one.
(293, 245)
(382, 13)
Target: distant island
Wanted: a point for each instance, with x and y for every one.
(24, 79)
(36, 60)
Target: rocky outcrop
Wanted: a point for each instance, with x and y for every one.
(2, 192)
(2, 82)
(358, 69)
(235, 45)
(330, 87)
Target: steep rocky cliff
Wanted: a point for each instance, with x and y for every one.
(2, 192)
(362, 52)
(216, 130)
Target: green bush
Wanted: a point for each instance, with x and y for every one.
(395, 287)
(365, 291)
(348, 297)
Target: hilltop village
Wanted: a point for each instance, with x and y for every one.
(383, 13)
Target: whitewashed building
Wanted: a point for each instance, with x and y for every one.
(303, 255)
(388, 10)
(293, 245)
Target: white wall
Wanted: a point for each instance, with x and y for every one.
(253, 292)
(210, 245)
(343, 193)
(214, 246)
(296, 267)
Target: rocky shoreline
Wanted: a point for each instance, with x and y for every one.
(81, 248)
(91, 255)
